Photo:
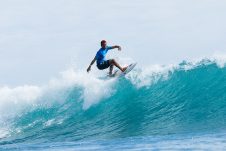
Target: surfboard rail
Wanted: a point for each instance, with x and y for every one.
(119, 73)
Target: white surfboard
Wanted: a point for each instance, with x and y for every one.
(119, 73)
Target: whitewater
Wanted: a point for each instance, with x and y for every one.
(158, 107)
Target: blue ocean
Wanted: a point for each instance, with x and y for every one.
(157, 107)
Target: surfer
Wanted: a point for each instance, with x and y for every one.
(102, 63)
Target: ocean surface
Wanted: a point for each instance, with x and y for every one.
(158, 107)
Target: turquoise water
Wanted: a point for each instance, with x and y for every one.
(177, 107)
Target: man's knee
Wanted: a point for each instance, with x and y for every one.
(112, 61)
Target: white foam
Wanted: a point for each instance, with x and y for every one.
(13, 100)
(220, 59)
(4, 133)
(146, 76)
(95, 89)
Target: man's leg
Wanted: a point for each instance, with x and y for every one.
(111, 69)
(113, 62)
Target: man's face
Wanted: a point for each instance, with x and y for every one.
(104, 45)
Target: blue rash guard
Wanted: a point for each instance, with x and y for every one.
(100, 56)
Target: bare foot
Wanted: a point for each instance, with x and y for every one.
(124, 69)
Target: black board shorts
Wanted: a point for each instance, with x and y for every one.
(103, 65)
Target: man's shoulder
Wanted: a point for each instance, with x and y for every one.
(105, 49)
(99, 50)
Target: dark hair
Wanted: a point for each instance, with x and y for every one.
(102, 42)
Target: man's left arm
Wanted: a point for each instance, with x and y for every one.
(116, 46)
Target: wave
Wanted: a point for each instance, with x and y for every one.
(156, 100)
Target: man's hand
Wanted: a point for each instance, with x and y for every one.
(89, 68)
(119, 48)
(116, 46)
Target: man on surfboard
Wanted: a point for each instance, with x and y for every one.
(102, 63)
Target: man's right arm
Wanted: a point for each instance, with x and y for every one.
(92, 62)
(116, 46)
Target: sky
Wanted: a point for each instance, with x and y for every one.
(38, 39)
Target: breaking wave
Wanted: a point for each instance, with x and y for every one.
(155, 100)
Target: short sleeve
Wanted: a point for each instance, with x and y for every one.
(109, 47)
